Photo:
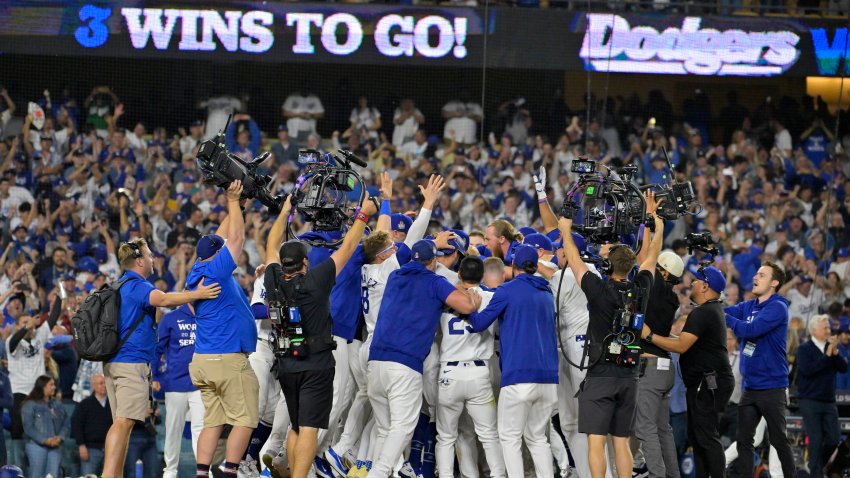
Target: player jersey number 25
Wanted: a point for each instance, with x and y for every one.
(457, 326)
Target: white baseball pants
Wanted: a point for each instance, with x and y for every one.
(524, 412)
(395, 393)
(179, 405)
(467, 385)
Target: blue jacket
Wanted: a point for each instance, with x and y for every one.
(409, 315)
(526, 312)
(747, 262)
(43, 420)
(346, 299)
(762, 330)
(816, 373)
(253, 144)
(174, 350)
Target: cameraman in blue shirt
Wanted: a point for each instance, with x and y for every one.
(761, 325)
(225, 335)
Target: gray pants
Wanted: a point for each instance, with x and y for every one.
(652, 418)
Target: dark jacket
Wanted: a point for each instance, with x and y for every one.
(91, 422)
(6, 398)
(816, 373)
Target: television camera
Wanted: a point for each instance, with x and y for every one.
(220, 167)
(611, 205)
(321, 192)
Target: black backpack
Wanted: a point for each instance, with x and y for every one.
(96, 324)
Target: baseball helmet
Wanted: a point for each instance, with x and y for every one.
(11, 471)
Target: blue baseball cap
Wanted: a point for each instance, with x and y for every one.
(423, 251)
(844, 252)
(179, 218)
(400, 222)
(88, 264)
(100, 253)
(539, 241)
(208, 245)
(483, 251)
(461, 244)
(713, 277)
(527, 230)
(524, 253)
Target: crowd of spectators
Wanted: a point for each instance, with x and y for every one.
(774, 184)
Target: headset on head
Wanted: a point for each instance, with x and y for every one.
(605, 264)
(137, 250)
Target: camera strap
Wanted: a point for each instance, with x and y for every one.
(295, 282)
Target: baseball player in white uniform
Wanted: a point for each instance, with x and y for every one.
(467, 448)
(271, 400)
(380, 262)
(464, 381)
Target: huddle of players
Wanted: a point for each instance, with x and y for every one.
(428, 361)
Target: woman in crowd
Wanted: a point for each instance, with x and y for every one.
(45, 427)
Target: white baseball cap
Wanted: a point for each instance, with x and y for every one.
(672, 263)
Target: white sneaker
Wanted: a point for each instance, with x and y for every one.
(248, 468)
(407, 471)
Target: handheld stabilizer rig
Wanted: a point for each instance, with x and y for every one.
(220, 167)
(321, 192)
(701, 241)
(611, 204)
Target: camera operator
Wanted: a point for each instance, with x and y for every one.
(705, 369)
(301, 293)
(225, 335)
(608, 394)
(761, 325)
(652, 424)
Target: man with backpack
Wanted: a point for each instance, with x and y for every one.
(128, 371)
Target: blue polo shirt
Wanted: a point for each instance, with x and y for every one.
(140, 347)
(225, 325)
(409, 315)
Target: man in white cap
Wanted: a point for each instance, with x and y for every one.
(652, 427)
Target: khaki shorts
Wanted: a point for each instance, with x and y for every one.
(128, 389)
(229, 389)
